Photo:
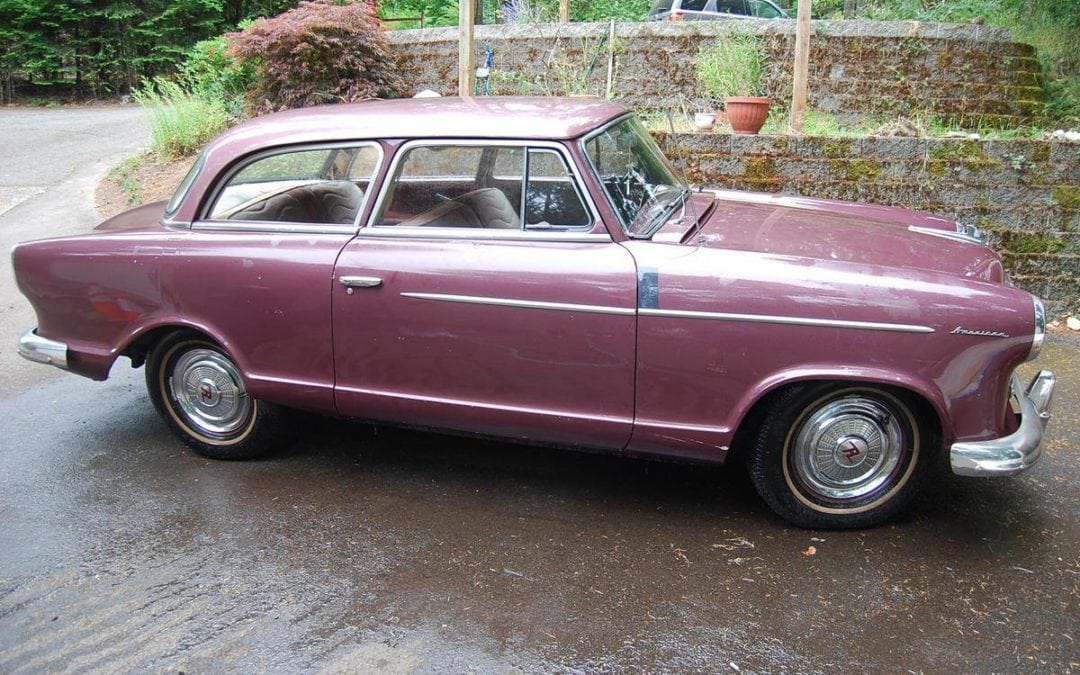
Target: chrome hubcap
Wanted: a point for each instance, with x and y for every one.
(848, 448)
(211, 396)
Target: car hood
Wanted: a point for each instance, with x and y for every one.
(833, 231)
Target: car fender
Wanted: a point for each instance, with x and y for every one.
(920, 386)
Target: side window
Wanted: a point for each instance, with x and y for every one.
(764, 10)
(552, 200)
(693, 5)
(489, 187)
(731, 7)
(456, 186)
(314, 186)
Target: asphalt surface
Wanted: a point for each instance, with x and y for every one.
(358, 549)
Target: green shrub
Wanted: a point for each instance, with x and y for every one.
(320, 52)
(211, 74)
(181, 122)
(602, 10)
(732, 66)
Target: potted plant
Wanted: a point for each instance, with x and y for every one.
(731, 70)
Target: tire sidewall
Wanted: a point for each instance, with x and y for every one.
(248, 442)
(774, 476)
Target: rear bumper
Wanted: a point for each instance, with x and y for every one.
(1019, 450)
(43, 350)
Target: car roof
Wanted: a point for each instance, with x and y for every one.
(490, 117)
(541, 118)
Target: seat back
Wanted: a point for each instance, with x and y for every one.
(338, 201)
(329, 202)
(492, 208)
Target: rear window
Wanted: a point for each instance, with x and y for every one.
(308, 186)
(185, 185)
(660, 6)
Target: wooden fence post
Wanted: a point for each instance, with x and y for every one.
(802, 67)
(466, 58)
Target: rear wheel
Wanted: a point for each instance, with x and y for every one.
(839, 456)
(198, 390)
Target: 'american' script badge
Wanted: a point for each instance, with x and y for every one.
(960, 330)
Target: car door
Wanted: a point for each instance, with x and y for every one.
(452, 310)
(257, 263)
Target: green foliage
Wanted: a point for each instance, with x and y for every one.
(602, 10)
(106, 47)
(209, 72)
(731, 66)
(320, 52)
(124, 175)
(180, 122)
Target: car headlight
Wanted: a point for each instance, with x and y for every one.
(1040, 329)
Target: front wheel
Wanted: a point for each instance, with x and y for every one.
(197, 389)
(838, 457)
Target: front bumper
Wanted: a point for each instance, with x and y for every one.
(43, 350)
(1020, 449)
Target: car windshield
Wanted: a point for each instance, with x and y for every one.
(638, 181)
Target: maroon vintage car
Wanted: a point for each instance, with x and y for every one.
(534, 270)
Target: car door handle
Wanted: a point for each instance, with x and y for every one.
(359, 282)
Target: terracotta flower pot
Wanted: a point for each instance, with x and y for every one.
(746, 114)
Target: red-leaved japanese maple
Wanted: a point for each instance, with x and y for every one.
(321, 52)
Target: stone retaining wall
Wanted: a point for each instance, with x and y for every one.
(971, 74)
(1025, 194)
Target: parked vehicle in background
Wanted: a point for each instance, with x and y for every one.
(706, 10)
(535, 270)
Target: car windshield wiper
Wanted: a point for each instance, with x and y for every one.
(662, 217)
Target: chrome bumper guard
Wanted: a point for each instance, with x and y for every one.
(42, 350)
(1019, 450)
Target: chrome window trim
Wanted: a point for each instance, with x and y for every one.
(523, 304)
(469, 233)
(599, 181)
(786, 320)
(271, 227)
(181, 193)
(219, 225)
(592, 166)
(477, 234)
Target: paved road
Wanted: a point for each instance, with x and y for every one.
(52, 161)
(358, 550)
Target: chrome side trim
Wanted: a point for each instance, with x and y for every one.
(35, 348)
(467, 233)
(564, 414)
(290, 381)
(787, 320)
(1019, 450)
(524, 304)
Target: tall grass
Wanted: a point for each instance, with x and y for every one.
(181, 122)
